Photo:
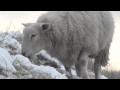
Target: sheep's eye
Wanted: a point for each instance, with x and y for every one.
(33, 35)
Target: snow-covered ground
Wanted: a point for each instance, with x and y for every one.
(15, 66)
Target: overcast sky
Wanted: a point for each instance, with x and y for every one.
(18, 17)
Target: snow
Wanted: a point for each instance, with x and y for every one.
(2, 77)
(103, 77)
(6, 61)
(74, 72)
(52, 72)
(16, 35)
(9, 43)
(39, 69)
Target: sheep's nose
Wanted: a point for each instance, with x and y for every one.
(24, 54)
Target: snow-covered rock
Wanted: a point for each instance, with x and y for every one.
(41, 71)
(9, 43)
(6, 61)
(16, 35)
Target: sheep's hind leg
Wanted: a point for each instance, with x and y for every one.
(100, 60)
(97, 69)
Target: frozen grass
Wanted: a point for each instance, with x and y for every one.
(11, 40)
(3, 38)
(111, 73)
(108, 71)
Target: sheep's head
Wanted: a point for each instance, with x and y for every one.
(35, 38)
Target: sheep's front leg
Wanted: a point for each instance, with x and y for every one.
(81, 66)
(68, 69)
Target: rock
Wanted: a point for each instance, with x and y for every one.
(39, 72)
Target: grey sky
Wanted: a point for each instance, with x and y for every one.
(17, 17)
(18, 13)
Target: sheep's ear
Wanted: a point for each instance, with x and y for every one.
(45, 26)
(27, 24)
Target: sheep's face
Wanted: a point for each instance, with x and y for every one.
(34, 38)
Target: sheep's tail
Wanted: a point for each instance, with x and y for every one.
(103, 57)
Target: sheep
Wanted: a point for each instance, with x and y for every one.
(73, 37)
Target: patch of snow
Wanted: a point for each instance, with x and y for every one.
(73, 72)
(10, 44)
(62, 67)
(51, 71)
(6, 61)
(2, 77)
(16, 35)
(25, 62)
(103, 77)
